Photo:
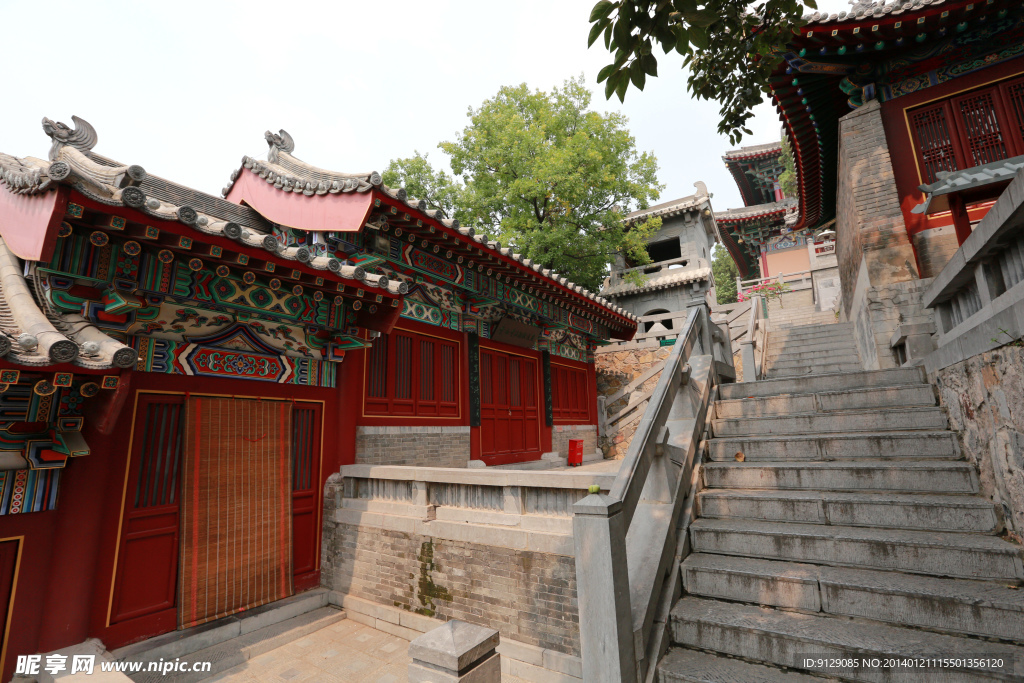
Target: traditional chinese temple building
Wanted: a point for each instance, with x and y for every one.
(181, 372)
(905, 121)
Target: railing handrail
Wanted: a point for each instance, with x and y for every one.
(775, 278)
(626, 488)
(618, 590)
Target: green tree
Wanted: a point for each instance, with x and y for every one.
(724, 270)
(787, 181)
(554, 179)
(729, 46)
(419, 178)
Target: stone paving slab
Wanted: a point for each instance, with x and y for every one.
(345, 652)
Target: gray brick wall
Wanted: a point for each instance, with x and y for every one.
(869, 222)
(560, 435)
(527, 596)
(421, 446)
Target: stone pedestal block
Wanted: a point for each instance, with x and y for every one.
(455, 653)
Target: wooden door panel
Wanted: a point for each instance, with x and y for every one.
(306, 454)
(509, 412)
(148, 553)
(8, 575)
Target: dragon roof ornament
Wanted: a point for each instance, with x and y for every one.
(83, 137)
(281, 142)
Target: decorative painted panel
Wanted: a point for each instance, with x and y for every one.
(24, 491)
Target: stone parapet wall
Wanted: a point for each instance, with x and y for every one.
(420, 446)
(878, 311)
(984, 399)
(934, 249)
(560, 435)
(615, 370)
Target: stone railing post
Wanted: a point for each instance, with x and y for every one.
(457, 652)
(602, 416)
(602, 591)
(749, 369)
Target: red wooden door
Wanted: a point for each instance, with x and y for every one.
(145, 580)
(509, 407)
(8, 576)
(306, 430)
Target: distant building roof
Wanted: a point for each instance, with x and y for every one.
(753, 152)
(667, 277)
(674, 206)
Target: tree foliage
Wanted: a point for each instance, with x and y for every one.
(729, 47)
(787, 180)
(724, 270)
(548, 176)
(419, 178)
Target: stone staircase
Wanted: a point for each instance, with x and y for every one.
(794, 315)
(810, 350)
(839, 520)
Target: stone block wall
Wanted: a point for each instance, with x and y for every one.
(528, 596)
(422, 446)
(869, 221)
(615, 370)
(934, 249)
(984, 399)
(560, 435)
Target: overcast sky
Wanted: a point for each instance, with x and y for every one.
(186, 88)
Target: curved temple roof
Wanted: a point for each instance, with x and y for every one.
(289, 175)
(72, 163)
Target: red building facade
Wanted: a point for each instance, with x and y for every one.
(180, 373)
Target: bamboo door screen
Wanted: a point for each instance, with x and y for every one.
(236, 529)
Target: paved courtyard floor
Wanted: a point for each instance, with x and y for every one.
(346, 651)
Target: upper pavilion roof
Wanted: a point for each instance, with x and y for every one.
(769, 149)
(675, 206)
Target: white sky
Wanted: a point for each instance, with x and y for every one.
(186, 88)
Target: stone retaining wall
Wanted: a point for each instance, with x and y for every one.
(529, 596)
(615, 370)
(420, 446)
(984, 398)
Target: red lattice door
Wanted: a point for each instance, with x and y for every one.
(509, 407)
(306, 450)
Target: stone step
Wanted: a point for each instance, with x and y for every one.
(879, 445)
(929, 476)
(799, 351)
(681, 665)
(799, 320)
(826, 401)
(888, 510)
(793, 639)
(973, 556)
(980, 608)
(861, 379)
(185, 642)
(838, 331)
(801, 368)
(895, 419)
(231, 653)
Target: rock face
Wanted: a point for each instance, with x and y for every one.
(615, 370)
(984, 398)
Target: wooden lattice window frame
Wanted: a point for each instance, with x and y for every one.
(964, 147)
(412, 375)
(570, 395)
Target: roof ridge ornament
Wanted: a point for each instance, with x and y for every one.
(82, 138)
(282, 142)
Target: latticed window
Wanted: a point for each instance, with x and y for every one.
(409, 374)
(977, 113)
(971, 129)
(934, 140)
(569, 395)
